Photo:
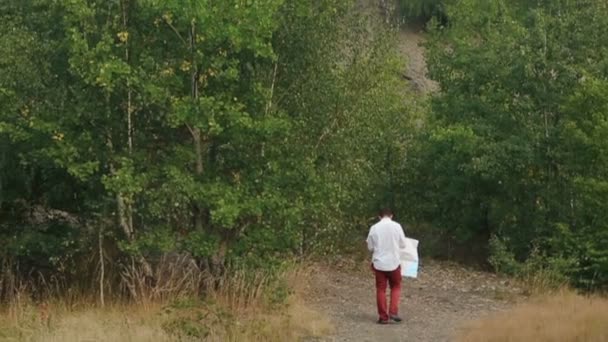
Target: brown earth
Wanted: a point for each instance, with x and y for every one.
(434, 306)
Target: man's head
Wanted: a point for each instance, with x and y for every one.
(385, 212)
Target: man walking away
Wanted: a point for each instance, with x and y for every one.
(385, 239)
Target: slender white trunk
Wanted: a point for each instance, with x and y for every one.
(197, 138)
(102, 271)
(130, 110)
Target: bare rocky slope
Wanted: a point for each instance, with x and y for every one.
(410, 42)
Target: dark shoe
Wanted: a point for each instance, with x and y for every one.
(396, 319)
(382, 321)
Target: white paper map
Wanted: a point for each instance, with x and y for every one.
(409, 258)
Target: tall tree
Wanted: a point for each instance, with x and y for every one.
(492, 164)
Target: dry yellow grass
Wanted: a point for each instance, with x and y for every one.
(239, 311)
(561, 316)
(55, 324)
(132, 324)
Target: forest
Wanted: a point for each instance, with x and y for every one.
(216, 135)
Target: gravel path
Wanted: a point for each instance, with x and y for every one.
(434, 306)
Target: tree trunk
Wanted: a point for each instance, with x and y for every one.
(197, 138)
(219, 259)
(123, 216)
(130, 111)
(123, 202)
(102, 271)
(2, 167)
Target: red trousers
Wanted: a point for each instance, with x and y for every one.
(393, 278)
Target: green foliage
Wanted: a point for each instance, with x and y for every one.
(356, 120)
(539, 272)
(159, 241)
(502, 259)
(516, 140)
(237, 132)
(200, 244)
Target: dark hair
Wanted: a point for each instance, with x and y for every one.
(385, 212)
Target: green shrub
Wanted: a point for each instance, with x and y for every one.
(501, 258)
(538, 271)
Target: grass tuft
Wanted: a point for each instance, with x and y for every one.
(559, 316)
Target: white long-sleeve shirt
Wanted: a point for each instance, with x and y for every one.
(384, 240)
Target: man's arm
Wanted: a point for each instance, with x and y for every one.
(402, 243)
(370, 241)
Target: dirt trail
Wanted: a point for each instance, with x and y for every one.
(434, 306)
